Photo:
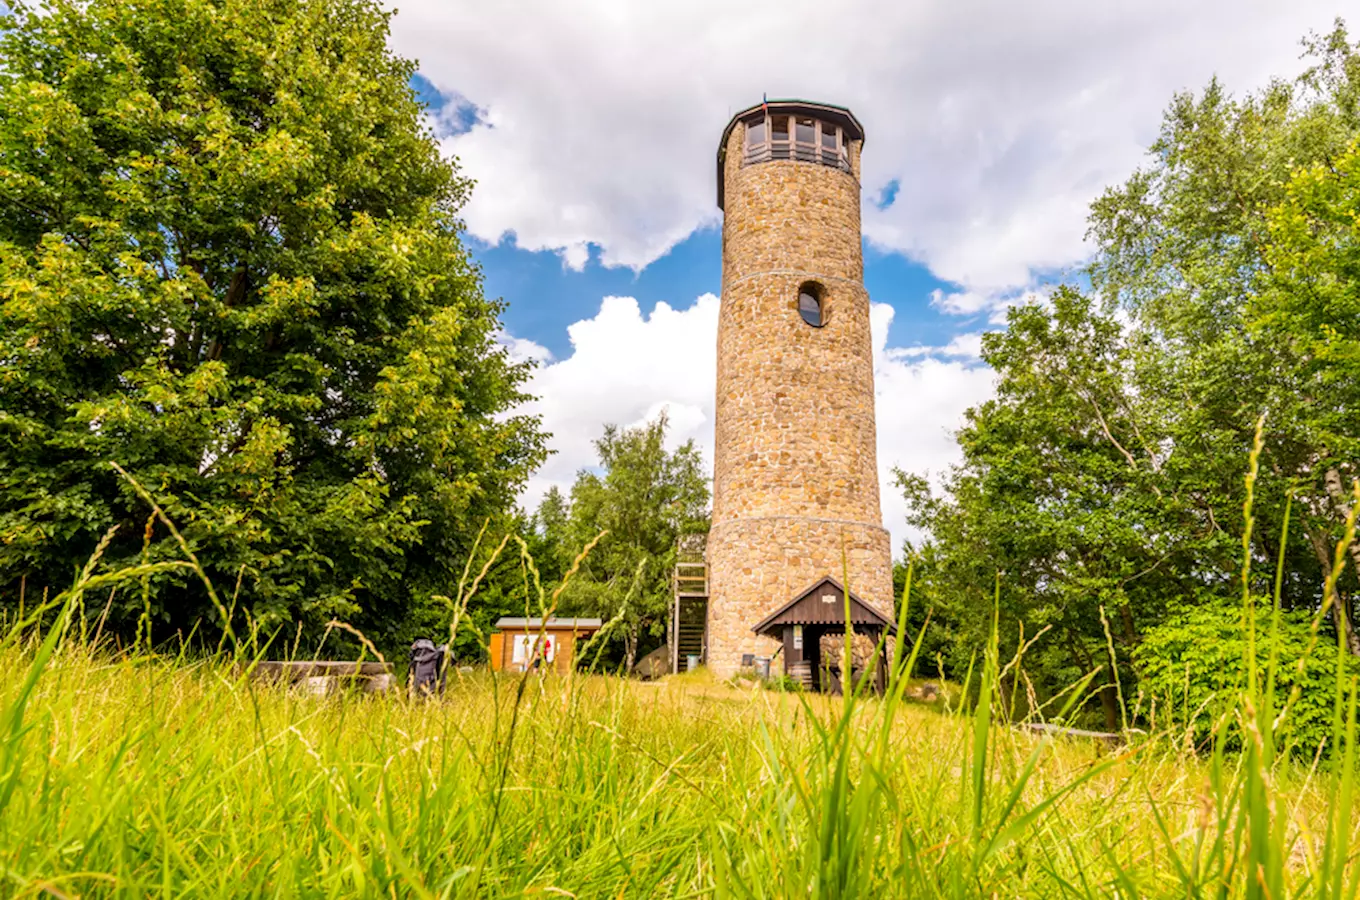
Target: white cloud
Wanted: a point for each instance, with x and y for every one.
(995, 304)
(920, 398)
(599, 119)
(626, 367)
(962, 303)
(965, 346)
(523, 349)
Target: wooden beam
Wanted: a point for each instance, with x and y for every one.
(312, 668)
(1062, 731)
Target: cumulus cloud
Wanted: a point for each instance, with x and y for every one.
(920, 397)
(990, 126)
(995, 304)
(626, 367)
(961, 303)
(523, 349)
(962, 346)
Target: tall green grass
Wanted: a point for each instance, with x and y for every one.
(144, 773)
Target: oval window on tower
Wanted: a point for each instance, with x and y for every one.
(810, 305)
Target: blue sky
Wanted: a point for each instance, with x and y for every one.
(590, 129)
(544, 296)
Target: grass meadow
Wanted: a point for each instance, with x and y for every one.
(146, 775)
(136, 773)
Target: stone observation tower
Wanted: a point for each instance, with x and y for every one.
(795, 473)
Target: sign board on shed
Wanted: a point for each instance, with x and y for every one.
(523, 649)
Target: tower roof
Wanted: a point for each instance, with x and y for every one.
(827, 112)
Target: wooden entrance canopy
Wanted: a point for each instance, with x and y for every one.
(816, 611)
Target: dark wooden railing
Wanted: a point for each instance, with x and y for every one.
(800, 152)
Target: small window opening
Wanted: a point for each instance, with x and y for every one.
(755, 132)
(810, 305)
(805, 139)
(779, 137)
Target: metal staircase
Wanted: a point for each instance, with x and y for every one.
(689, 614)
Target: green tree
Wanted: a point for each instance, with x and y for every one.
(230, 261)
(1061, 495)
(1184, 251)
(645, 497)
(1309, 308)
(1194, 668)
(1105, 480)
(550, 536)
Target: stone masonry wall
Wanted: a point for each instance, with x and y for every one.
(786, 215)
(795, 407)
(757, 565)
(795, 469)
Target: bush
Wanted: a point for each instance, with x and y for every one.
(783, 684)
(1194, 665)
(780, 682)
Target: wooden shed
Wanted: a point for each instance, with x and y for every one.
(521, 642)
(814, 612)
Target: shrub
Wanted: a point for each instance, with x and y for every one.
(1194, 665)
(783, 684)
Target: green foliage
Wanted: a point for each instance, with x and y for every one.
(551, 537)
(1310, 303)
(938, 640)
(644, 497)
(783, 684)
(1104, 480)
(230, 261)
(1195, 665)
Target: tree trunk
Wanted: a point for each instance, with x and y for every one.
(1341, 502)
(1109, 699)
(1126, 616)
(1109, 705)
(1341, 609)
(630, 642)
(1341, 617)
